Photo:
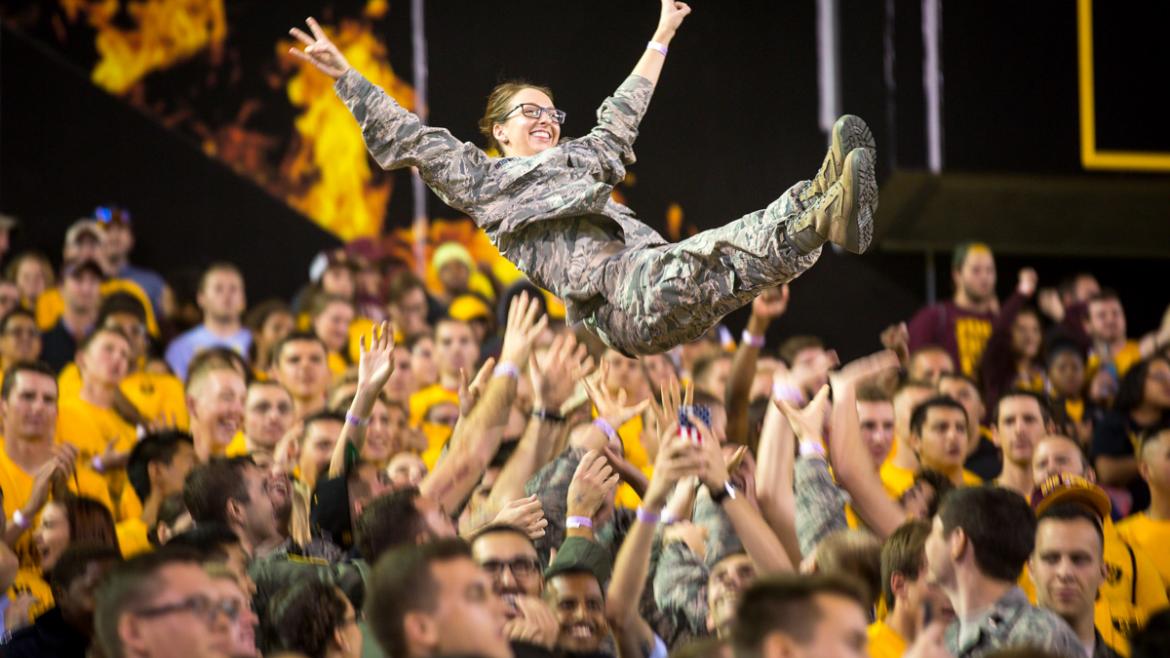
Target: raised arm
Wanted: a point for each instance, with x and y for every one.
(395, 137)
(820, 504)
(676, 459)
(774, 477)
(375, 365)
(759, 541)
(619, 116)
(770, 305)
(649, 66)
(456, 474)
(851, 461)
(554, 377)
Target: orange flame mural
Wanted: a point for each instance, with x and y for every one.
(329, 165)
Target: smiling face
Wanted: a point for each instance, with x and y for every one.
(520, 135)
(580, 610)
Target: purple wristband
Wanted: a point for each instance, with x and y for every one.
(579, 522)
(603, 425)
(752, 340)
(506, 370)
(660, 47)
(356, 420)
(646, 516)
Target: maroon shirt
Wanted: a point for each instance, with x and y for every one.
(961, 333)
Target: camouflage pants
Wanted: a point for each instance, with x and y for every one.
(647, 299)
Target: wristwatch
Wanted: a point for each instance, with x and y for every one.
(727, 492)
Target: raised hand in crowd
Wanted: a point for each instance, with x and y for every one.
(526, 514)
(535, 624)
(594, 484)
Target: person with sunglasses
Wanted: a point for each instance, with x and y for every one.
(119, 242)
(546, 203)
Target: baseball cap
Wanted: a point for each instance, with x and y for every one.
(1068, 488)
(82, 228)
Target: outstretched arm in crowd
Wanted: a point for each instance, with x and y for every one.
(759, 541)
(375, 365)
(774, 471)
(457, 473)
(554, 377)
(770, 305)
(677, 458)
(852, 463)
(820, 504)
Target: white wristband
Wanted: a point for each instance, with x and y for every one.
(660, 47)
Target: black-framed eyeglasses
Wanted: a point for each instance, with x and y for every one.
(521, 567)
(206, 609)
(534, 111)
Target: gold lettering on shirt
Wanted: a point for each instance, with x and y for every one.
(971, 336)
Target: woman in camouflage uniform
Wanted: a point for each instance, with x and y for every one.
(546, 204)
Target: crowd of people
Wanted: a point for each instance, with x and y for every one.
(383, 468)
(382, 465)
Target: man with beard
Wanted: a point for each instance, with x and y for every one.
(1021, 418)
(962, 325)
(576, 590)
(233, 492)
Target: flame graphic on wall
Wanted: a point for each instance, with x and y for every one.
(329, 161)
(164, 32)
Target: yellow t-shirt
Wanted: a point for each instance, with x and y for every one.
(17, 487)
(157, 397)
(90, 429)
(50, 305)
(1153, 538)
(1127, 597)
(132, 538)
(30, 581)
(635, 453)
(885, 642)
(421, 401)
(1122, 361)
(898, 480)
(238, 446)
(895, 479)
(337, 365)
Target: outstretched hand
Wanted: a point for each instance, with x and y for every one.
(319, 50)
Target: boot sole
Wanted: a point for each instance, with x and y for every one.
(851, 132)
(859, 225)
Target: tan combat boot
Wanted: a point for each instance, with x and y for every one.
(849, 132)
(843, 215)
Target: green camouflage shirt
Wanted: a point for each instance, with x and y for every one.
(1014, 622)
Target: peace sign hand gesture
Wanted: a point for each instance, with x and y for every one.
(319, 50)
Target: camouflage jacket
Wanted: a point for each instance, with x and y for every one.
(1014, 622)
(521, 202)
(820, 503)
